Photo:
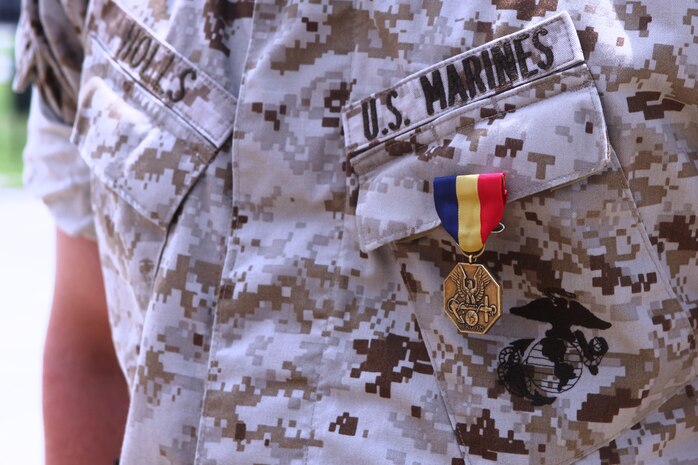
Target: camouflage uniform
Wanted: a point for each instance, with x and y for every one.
(259, 174)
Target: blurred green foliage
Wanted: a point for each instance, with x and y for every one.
(13, 134)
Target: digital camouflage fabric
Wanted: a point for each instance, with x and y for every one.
(261, 186)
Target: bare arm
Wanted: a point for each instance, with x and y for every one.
(85, 398)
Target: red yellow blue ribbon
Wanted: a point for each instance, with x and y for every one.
(470, 207)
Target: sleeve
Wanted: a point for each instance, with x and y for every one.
(49, 52)
(49, 57)
(55, 172)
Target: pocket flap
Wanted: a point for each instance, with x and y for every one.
(542, 135)
(148, 121)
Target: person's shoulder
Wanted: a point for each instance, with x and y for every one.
(49, 51)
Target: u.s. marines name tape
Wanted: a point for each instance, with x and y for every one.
(548, 47)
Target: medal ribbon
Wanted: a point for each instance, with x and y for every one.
(470, 207)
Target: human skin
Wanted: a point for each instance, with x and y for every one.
(85, 396)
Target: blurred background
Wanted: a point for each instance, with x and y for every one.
(26, 272)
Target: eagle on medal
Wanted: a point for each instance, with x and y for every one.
(472, 298)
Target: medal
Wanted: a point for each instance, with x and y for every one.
(470, 208)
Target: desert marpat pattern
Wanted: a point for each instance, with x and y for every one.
(276, 299)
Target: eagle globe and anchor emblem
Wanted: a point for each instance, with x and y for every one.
(534, 369)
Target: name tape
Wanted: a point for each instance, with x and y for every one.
(165, 73)
(500, 65)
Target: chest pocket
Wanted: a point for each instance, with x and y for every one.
(591, 338)
(149, 121)
(148, 124)
(134, 144)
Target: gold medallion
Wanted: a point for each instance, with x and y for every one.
(472, 298)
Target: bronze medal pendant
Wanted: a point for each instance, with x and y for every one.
(470, 208)
(472, 298)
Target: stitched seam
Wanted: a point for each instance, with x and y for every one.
(371, 166)
(440, 385)
(369, 161)
(424, 121)
(183, 118)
